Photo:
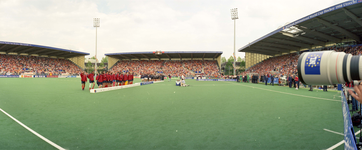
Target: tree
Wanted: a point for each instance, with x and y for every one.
(242, 64)
(89, 64)
(229, 65)
(101, 64)
(239, 59)
(104, 59)
(231, 59)
(223, 59)
(93, 57)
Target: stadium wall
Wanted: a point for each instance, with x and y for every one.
(78, 61)
(254, 58)
(112, 61)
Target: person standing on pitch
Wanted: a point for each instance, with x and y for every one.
(99, 80)
(130, 78)
(290, 80)
(324, 88)
(83, 78)
(296, 80)
(91, 80)
(266, 79)
(272, 79)
(310, 87)
(169, 78)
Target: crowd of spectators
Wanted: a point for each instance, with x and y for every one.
(138, 67)
(287, 64)
(173, 68)
(17, 64)
(211, 68)
(193, 65)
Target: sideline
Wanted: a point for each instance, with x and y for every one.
(32, 131)
(291, 93)
(340, 143)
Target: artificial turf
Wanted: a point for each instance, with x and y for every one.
(205, 115)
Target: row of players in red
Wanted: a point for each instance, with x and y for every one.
(107, 79)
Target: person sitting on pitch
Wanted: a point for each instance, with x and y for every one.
(183, 83)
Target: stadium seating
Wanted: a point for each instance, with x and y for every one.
(173, 68)
(287, 64)
(16, 65)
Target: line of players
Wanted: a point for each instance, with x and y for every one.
(107, 79)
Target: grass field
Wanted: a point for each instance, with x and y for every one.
(205, 115)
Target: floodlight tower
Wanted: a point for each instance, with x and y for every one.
(96, 23)
(234, 16)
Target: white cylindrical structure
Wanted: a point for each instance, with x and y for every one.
(328, 67)
(96, 23)
(95, 64)
(234, 16)
(234, 48)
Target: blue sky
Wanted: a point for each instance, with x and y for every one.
(147, 25)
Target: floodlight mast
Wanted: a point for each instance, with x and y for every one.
(96, 23)
(234, 16)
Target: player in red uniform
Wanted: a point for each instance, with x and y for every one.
(83, 78)
(130, 78)
(99, 79)
(110, 79)
(105, 79)
(114, 79)
(91, 80)
(121, 78)
(117, 79)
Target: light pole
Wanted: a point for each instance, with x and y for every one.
(234, 16)
(96, 23)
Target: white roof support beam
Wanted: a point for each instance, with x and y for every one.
(353, 16)
(339, 29)
(322, 35)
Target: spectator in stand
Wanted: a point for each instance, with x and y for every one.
(19, 64)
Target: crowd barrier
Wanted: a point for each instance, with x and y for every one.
(349, 135)
(36, 76)
(276, 80)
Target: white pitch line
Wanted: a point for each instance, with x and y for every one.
(292, 94)
(32, 131)
(333, 132)
(340, 143)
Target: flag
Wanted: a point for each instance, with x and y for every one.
(312, 63)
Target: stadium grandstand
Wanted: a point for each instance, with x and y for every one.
(338, 28)
(30, 59)
(174, 63)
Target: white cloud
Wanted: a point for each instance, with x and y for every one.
(147, 25)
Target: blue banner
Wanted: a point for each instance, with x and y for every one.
(36, 76)
(276, 80)
(189, 77)
(145, 83)
(349, 137)
(9, 76)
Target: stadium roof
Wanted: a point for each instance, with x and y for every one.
(333, 24)
(13, 47)
(166, 54)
